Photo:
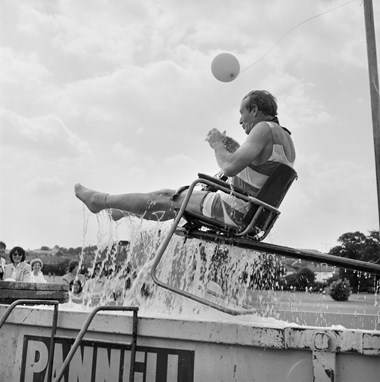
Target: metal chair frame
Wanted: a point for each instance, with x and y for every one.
(248, 231)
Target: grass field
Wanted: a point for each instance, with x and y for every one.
(318, 302)
(361, 311)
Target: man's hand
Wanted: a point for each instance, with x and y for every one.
(215, 137)
(231, 144)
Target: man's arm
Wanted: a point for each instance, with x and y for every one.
(232, 163)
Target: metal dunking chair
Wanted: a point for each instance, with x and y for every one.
(259, 220)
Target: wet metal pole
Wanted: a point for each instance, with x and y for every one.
(374, 88)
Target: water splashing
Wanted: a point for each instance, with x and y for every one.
(120, 271)
(230, 276)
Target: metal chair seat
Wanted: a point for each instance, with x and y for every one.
(264, 205)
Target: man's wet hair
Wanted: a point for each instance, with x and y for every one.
(264, 100)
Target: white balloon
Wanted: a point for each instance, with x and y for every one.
(225, 67)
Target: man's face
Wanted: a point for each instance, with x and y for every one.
(247, 119)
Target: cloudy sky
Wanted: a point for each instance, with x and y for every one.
(119, 95)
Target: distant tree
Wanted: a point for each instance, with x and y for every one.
(57, 266)
(340, 290)
(304, 277)
(45, 248)
(90, 249)
(356, 245)
(291, 280)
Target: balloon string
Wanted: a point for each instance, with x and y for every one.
(292, 29)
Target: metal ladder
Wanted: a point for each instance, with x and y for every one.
(83, 331)
(53, 329)
(80, 336)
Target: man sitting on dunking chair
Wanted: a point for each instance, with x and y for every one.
(247, 166)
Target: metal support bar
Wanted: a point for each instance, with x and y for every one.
(133, 346)
(53, 329)
(342, 262)
(374, 88)
(83, 331)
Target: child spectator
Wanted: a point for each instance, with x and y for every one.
(72, 274)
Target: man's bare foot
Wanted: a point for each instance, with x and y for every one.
(94, 200)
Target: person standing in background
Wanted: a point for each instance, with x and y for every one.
(18, 269)
(36, 275)
(2, 259)
(73, 275)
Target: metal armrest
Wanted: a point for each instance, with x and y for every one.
(219, 182)
(227, 187)
(221, 185)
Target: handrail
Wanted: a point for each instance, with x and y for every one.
(83, 331)
(53, 329)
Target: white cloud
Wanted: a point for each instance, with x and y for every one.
(126, 154)
(45, 136)
(179, 159)
(46, 186)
